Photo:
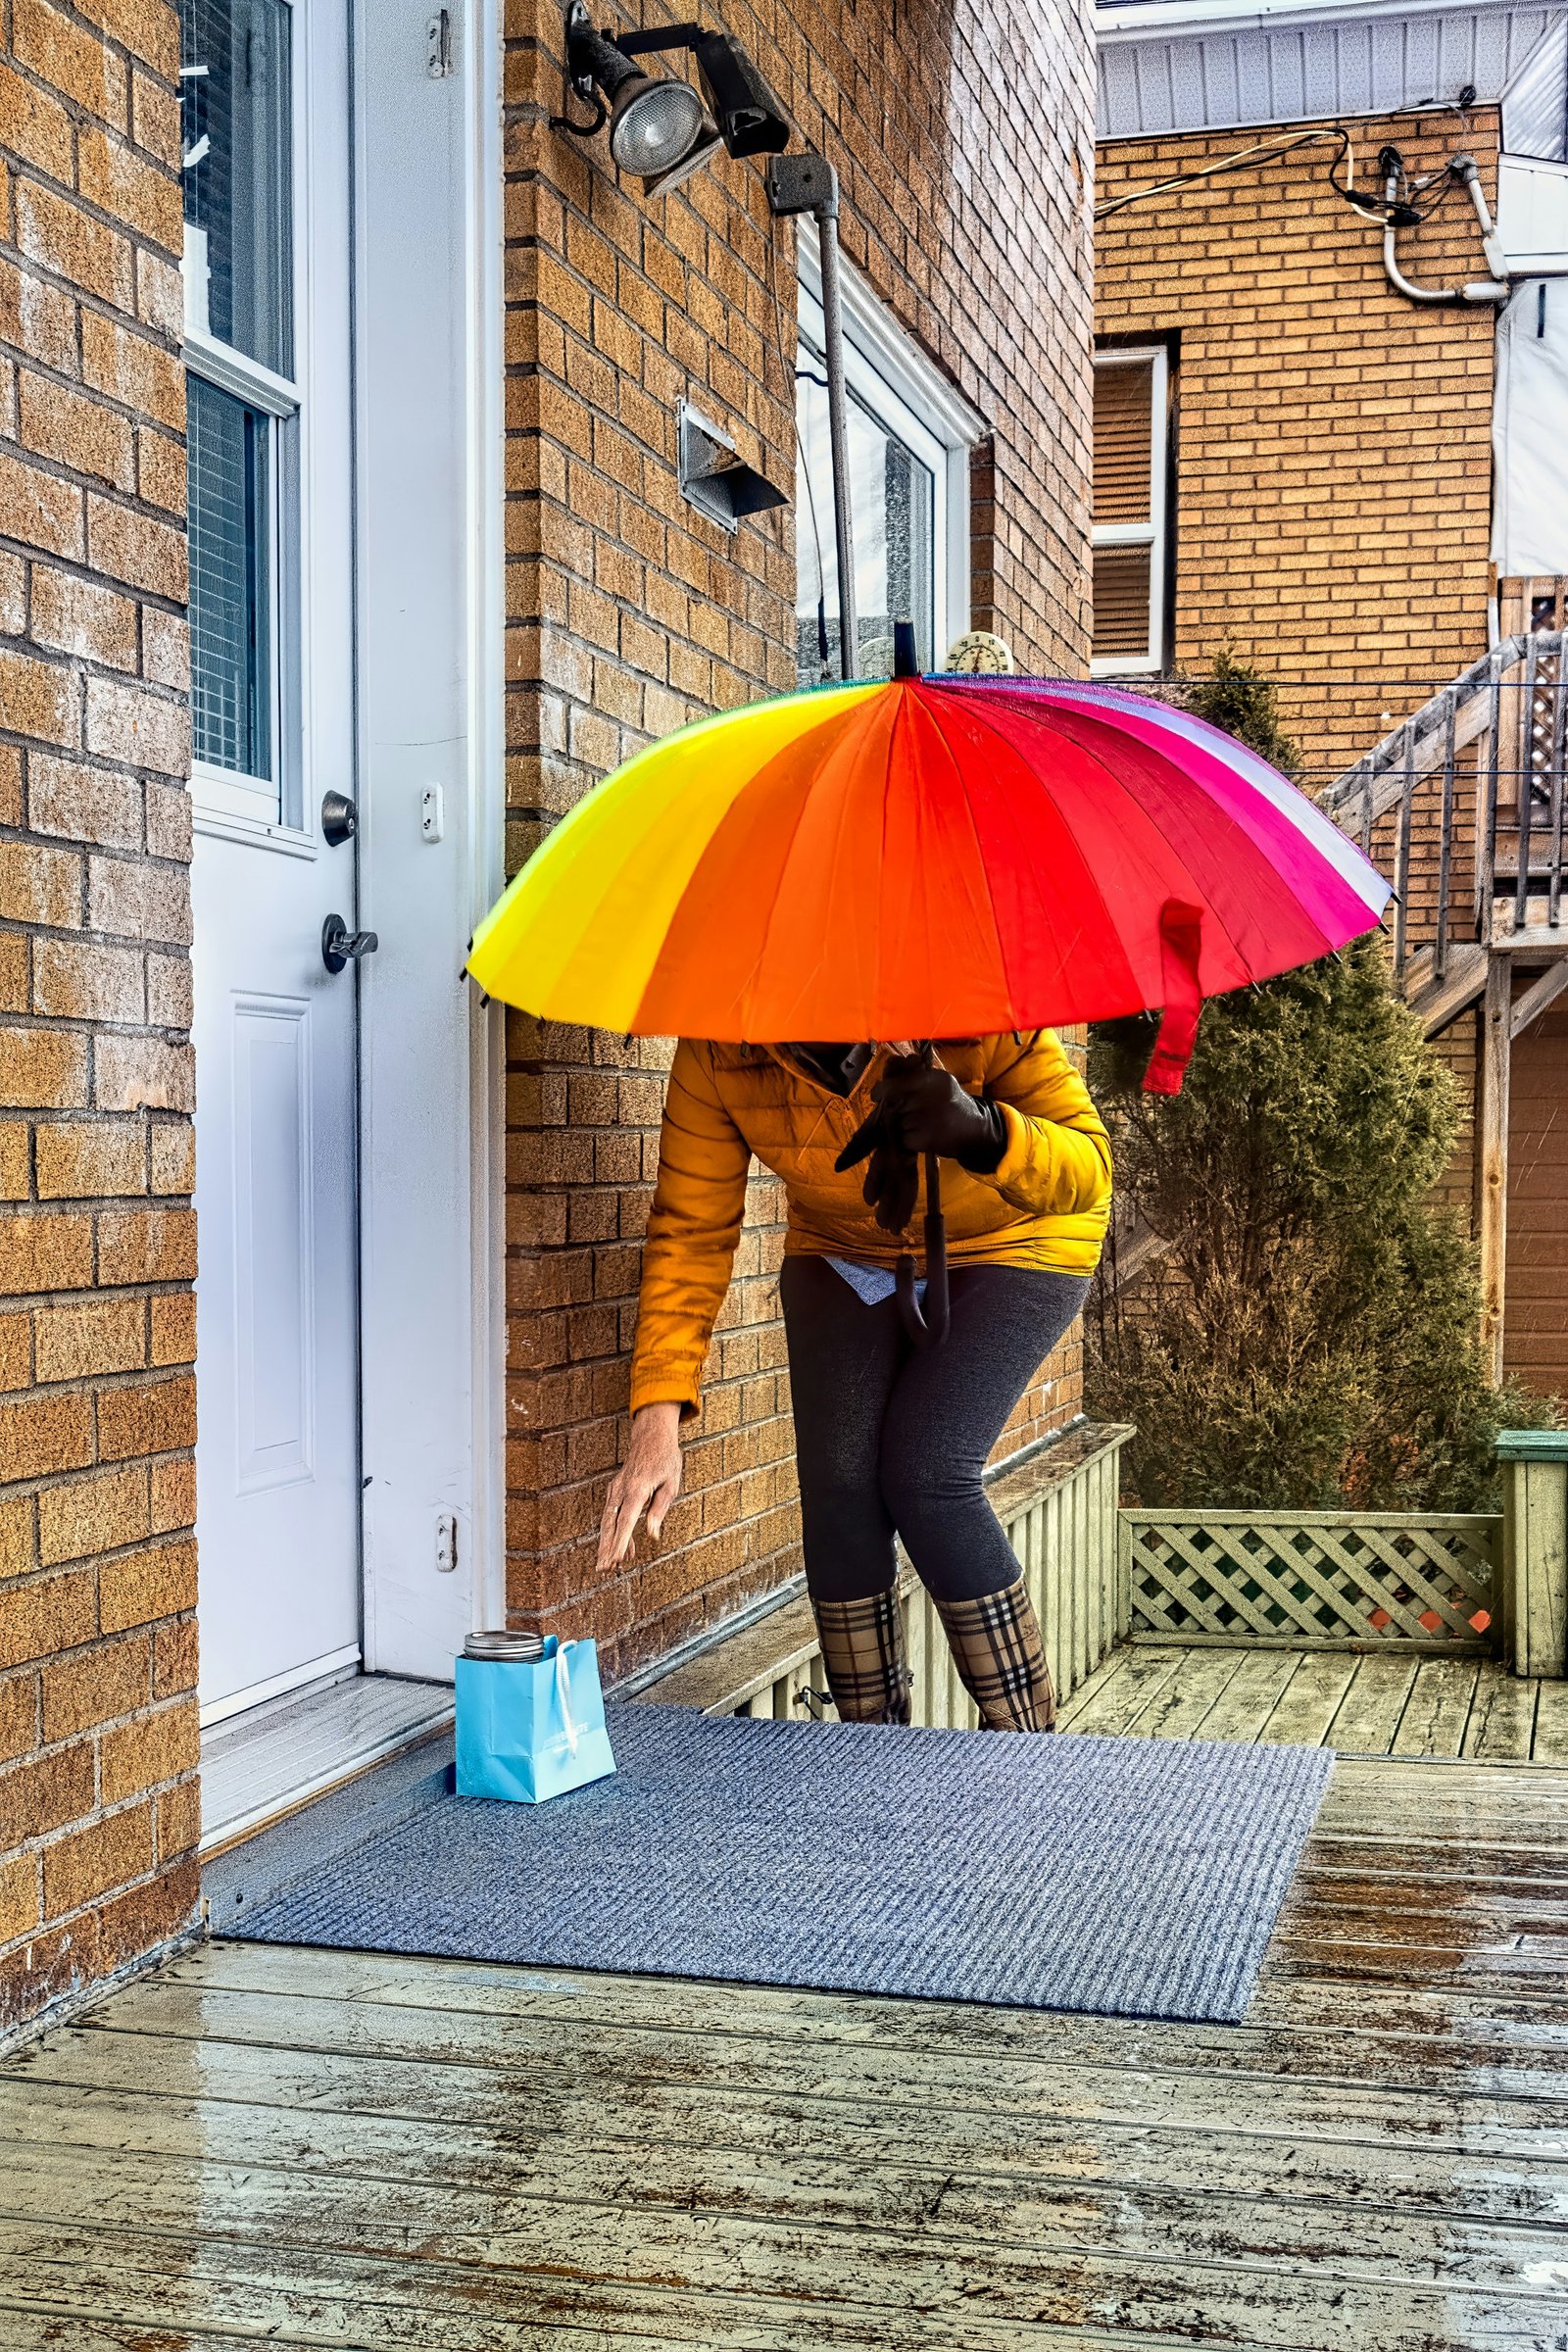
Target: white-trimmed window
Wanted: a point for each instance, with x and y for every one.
(910, 437)
(237, 110)
(1130, 504)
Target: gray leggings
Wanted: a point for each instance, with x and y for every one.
(891, 1437)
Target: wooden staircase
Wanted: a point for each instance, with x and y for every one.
(1440, 997)
(1464, 804)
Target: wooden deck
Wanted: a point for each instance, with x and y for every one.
(1378, 1703)
(340, 2150)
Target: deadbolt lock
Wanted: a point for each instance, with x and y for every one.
(340, 819)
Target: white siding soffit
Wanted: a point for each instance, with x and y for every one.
(1174, 65)
(1535, 110)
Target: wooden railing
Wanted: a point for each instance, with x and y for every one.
(1311, 1580)
(1532, 1599)
(1448, 1583)
(1463, 806)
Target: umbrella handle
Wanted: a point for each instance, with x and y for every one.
(927, 1328)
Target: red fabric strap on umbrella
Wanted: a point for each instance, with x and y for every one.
(1180, 941)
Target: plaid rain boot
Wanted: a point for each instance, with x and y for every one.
(862, 1657)
(997, 1649)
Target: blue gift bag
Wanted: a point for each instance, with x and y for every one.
(527, 1731)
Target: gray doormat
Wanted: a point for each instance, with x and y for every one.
(1138, 1878)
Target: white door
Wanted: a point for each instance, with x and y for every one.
(265, 89)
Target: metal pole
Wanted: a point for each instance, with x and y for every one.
(808, 183)
(838, 426)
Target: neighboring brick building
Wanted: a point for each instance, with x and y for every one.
(1296, 460)
(1332, 475)
(419, 1237)
(98, 1811)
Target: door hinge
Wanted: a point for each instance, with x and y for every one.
(446, 1543)
(438, 45)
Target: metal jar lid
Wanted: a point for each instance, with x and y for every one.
(498, 1642)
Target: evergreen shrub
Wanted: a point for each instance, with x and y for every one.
(1308, 1338)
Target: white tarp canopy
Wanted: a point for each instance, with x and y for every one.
(1530, 434)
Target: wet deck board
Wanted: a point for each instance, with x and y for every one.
(1371, 1703)
(346, 2151)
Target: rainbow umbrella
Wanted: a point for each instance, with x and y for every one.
(926, 857)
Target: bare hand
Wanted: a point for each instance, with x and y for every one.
(647, 1480)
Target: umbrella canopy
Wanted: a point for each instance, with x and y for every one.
(926, 857)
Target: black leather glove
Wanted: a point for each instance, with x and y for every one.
(891, 1187)
(919, 1108)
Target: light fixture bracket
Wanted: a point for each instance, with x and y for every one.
(803, 184)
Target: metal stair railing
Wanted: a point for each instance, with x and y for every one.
(1404, 801)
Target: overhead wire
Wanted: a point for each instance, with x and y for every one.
(1260, 150)
(1402, 211)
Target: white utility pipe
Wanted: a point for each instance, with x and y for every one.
(1482, 289)
(1490, 242)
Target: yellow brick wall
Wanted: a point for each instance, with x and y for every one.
(98, 1733)
(1333, 439)
(965, 206)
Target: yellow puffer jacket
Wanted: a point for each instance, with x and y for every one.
(1047, 1204)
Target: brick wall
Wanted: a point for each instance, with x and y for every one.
(965, 204)
(98, 1738)
(1332, 438)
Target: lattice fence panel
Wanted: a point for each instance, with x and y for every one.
(1311, 1578)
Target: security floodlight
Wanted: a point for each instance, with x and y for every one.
(660, 129)
(750, 120)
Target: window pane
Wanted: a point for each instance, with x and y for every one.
(235, 93)
(1121, 603)
(893, 516)
(229, 588)
(1124, 441)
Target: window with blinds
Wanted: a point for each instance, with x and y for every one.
(1129, 512)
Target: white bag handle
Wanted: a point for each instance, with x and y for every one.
(564, 1693)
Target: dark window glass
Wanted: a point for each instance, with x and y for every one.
(892, 514)
(230, 587)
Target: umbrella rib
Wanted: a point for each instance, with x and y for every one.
(1214, 812)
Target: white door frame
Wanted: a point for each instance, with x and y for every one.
(429, 540)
